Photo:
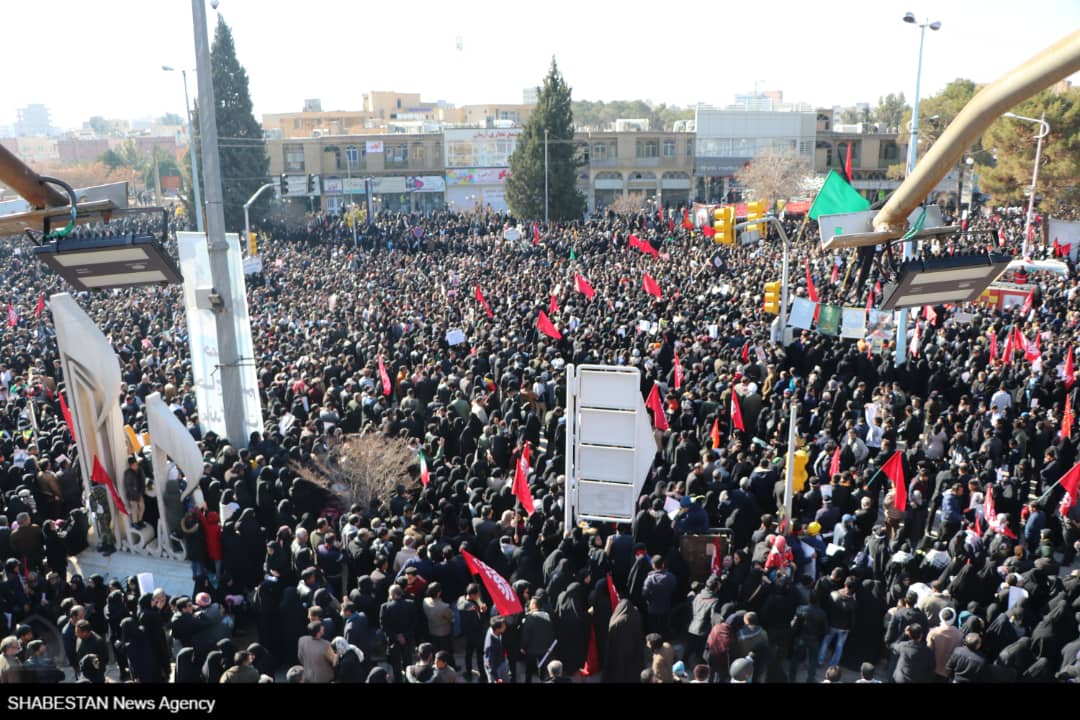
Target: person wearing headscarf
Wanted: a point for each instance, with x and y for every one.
(292, 625)
(92, 670)
(349, 667)
(187, 671)
(625, 644)
(153, 627)
(136, 647)
(572, 624)
(261, 659)
(213, 667)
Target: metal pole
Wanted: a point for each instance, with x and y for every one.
(900, 354)
(570, 484)
(1043, 132)
(228, 363)
(247, 206)
(789, 483)
(545, 176)
(18, 176)
(194, 161)
(784, 280)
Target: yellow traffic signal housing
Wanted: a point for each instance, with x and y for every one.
(772, 298)
(724, 225)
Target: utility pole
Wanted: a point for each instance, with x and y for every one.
(228, 360)
(545, 176)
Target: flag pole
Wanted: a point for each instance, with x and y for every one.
(789, 485)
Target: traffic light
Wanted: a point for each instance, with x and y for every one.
(283, 181)
(754, 211)
(723, 224)
(772, 298)
(313, 184)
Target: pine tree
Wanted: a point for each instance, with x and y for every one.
(525, 188)
(244, 162)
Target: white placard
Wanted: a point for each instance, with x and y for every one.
(455, 337)
(853, 323)
(146, 582)
(802, 313)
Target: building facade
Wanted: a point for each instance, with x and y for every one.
(729, 139)
(646, 165)
(872, 153)
(477, 166)
(407, 170)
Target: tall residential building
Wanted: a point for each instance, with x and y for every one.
(32, 120)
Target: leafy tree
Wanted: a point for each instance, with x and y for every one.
(775, 175)
(99, 125)
(126, 157)
(889, 114)
(601, 114)
(244, 162)
(171, 119)
(1014, 146)
(936, 112)
(525, 188)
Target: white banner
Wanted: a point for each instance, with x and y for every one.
(802, 313)
(853, 323)
(374, 146)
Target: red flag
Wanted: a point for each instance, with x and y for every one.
(744, 356)
(12, 316)
(989, 512)
(501, 592)
(717, 564)
(686, 222)
(835, 274)
(66, 412)
(1031, 350)
(536, 234)
(894, 470)
(834, 465)
(847, 163)
(643, 245)
(1070, 374)
(671, 225)
(100, 477)
(521, 481)
(678, 372)
(553, 306)
(992, 337)
(386, 386)
(653, 403)
(1009, 349)
(543, 323)
(715, 432)
(651, 287)
(660, 218)
(40, 306)
(592, 655)
(1027, 303)
(736, 412)
(708, 231)
(978, 526)
(612, 593)
(811, 291)
(1067, 419)
(1070, 481)
(930, 314)
(480, 298)
(582, 286)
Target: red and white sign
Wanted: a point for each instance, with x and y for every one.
(374, 146)
(501, 592)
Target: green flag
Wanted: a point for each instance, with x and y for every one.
(572, 255)
(836, 196)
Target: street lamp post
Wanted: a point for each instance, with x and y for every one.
(194, 155)
(247, 206)
(1043, 132)
(786, 264)
(900, 356)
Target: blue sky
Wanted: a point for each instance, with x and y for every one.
(107, 54)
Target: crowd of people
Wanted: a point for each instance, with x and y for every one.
(290, 587)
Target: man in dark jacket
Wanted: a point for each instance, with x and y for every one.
(914, 660)
(89, 643)
(706, 605)
(808, 627)
(537, 634)
(657, 592)
(397, 618)
(967, 665)
(841, 609)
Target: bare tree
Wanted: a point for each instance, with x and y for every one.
(628, 204)
(359, 467)
(775, 175)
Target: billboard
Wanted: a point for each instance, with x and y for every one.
(477, 176)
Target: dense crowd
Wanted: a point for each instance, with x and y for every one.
(381, 592)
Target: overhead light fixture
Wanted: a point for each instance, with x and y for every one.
(108, 262)
(956, 279)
